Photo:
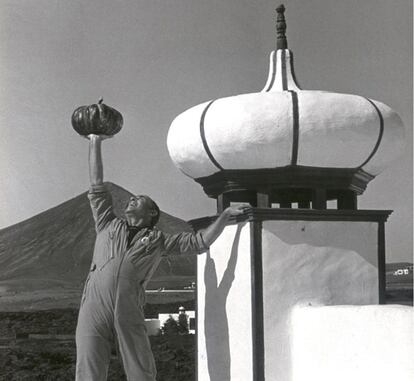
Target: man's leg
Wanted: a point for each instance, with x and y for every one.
(93, 345)
(92, 358)
(135, 350)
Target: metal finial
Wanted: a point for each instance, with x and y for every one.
(281, 42)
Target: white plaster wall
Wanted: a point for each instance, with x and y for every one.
(357, 343)
(224, 308)
(312, 263)
(304, 263)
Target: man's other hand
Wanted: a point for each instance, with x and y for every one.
(236, 210)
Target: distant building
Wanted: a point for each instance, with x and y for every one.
(191, 320)
(404, 271)
(192, 286)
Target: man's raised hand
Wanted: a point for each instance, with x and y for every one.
(97, 137)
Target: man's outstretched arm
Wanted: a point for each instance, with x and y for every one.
(197, 243)
(212, 232)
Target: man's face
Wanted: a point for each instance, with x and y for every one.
(140, 206)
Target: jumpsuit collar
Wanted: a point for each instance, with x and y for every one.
(142, 232)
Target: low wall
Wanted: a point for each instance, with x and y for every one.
(153, 326)
(352, 343)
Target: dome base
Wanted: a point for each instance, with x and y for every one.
(307, 186)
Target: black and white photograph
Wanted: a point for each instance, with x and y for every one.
(206, 190)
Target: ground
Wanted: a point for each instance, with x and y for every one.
(23, 358)
(45, 360)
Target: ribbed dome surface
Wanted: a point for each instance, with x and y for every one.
(284, 125)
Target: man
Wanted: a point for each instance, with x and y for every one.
(127, 253)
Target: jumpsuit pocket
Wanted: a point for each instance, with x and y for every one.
(141, 298)
(105, 263)
(85, 288)
(110, 256)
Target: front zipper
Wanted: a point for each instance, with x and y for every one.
(119, 266)
(111, 256)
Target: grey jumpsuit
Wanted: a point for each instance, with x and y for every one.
(114, 293)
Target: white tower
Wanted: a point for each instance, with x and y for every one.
(286, 151)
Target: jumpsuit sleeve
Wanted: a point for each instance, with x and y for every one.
(101, 204)
(184, 243)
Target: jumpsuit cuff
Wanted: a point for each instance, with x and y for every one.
(201, 243)
(100, 188)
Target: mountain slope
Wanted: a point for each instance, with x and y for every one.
(53, 250)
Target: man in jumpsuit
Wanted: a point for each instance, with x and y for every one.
(127, 253)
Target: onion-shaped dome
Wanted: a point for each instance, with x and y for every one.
(284, 126)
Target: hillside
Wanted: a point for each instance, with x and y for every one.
(48, 256)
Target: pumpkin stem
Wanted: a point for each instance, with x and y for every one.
(100, 100)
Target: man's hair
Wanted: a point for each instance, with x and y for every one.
(155, 207)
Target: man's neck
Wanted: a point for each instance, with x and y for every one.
(137, 223)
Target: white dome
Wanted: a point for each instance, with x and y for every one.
(284, 125)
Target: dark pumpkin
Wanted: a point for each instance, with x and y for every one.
(98, 119)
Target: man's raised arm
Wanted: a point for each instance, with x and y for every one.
(95, 160)
(100, 199)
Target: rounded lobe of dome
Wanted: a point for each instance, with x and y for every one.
(335, 130)
(392, 142)
(251, 130)
(185, 145)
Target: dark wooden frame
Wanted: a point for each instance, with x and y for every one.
(257, 301)
(292, 183)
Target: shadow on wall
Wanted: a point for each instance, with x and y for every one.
(216, 323)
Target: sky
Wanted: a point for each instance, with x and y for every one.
(152, 60)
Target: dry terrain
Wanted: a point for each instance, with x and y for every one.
(40, 345)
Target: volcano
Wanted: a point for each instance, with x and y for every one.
(44, 260)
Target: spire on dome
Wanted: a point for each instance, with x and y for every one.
(281, 42)
(281, 72)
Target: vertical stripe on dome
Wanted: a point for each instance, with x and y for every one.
(295, 126)
(272, 81)
(381, 133)
(292, 71)
(203, 137)
(284, 75)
